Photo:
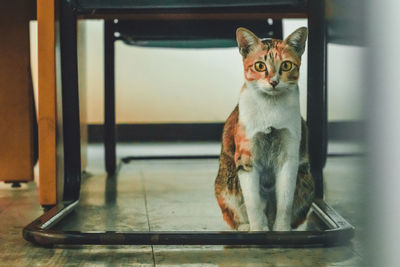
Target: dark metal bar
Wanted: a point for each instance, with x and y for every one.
(317, 92)
(118, 9)
(184, 15)
(278, 29)
(216, 156)
(40, 232)
(350, 154)
(185, 6)
(166, 157)
(70, 103)
(109, 97)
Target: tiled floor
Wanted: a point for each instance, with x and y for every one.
(169, 195)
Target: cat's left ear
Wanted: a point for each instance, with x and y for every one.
(297, 40)
(247, 41)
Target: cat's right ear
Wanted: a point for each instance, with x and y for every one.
(246, 40)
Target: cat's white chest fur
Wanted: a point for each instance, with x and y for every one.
(259, 112)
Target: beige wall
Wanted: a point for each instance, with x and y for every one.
(184, 85)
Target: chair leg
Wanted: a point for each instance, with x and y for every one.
(70, 103)
(317, 92)
(109, 98)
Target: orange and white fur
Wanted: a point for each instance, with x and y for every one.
(264, 181)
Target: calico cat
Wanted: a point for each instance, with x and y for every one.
(264, 180)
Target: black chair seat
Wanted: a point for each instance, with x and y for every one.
(192, 33)
(343, 26)
(98, 5)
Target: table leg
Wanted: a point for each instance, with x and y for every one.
(109, 98)
(317, 92)
(70, 103)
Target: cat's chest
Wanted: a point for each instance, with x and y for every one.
(259, 114)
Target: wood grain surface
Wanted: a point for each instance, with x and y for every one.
(16, 92)
(47, 122)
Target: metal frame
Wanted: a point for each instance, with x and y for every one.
(41, 231)
(109, 98)
(317, 93)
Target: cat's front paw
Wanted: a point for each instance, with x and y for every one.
(244, 227)
(281, 227)
(245, 163)
(257, 228)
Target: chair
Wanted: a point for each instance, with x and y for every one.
(147, 23)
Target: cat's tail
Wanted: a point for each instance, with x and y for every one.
(303, 196)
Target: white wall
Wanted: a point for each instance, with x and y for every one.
(382, 210)
(34, 61)
(186, 85)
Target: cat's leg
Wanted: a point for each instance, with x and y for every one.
(242, 156)
(244, 162)
(285, 186)
(255, 205)
(229, 194)
(233, 210)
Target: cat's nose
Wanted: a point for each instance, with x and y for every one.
(273, 83)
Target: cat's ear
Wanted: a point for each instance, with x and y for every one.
(246, 40)
(297, 40)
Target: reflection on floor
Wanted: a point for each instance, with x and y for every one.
(168, 195)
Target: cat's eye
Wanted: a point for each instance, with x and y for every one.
(260, 66)
(286, 66)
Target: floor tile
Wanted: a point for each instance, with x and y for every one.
(174, 195)
(252, 256)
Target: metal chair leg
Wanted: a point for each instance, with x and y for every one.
(317, 92)
(109, 98)
(70, 103)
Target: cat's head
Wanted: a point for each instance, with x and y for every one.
(270, 65)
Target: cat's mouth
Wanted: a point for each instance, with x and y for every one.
(269, 90)
(272, 91)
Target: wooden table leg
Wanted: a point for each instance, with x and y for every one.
(50, 123)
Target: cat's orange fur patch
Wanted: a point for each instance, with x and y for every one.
(227, 213)
(248, 63)
(242, 143)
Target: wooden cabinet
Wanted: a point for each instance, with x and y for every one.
(17, 121)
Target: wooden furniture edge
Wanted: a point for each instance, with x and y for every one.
(47, 121)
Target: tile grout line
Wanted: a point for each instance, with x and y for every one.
(147, 214)
(6, 207)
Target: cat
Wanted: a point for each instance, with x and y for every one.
(264, 180)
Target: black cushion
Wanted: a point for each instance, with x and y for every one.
(192, 33)
(345, 27)
(96, 5)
